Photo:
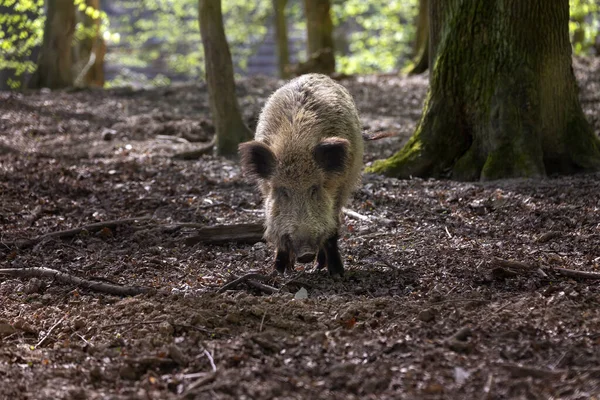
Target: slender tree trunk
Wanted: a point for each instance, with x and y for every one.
(90, 51)
(503, 100)
(283, 53)
(319, 30)
(229, 126)
(421, 49)
(55, 62)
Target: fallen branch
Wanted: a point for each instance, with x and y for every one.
(67, 278)
(95, 227)
(48, 333)
(355, 215)
(524, 371)
(221, 234)
(196, 153)
(522, 267)
(250, 280)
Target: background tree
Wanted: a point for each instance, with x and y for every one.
(503, 100)
(281, 37)
(229, 126)
(55, 61)
(90, 48)
(319, 31)
(420, 62)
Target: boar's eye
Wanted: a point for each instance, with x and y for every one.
(314, 190)
(283, 193)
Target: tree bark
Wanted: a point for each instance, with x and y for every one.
(283, 52)
(503, 100)
(421, 48)
(54, 69)
(90, 51)
(229, 126)
(319, 30)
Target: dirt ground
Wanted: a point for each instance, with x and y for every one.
(424, 311)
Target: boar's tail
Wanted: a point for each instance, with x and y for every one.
(378, 135)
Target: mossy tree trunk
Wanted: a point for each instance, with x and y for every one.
(281, 37)
(229, 125)
(54, 69)
(319, 31)
(503, 100)
(420, 62)
(90, 50)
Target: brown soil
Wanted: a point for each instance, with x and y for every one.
(423, 311)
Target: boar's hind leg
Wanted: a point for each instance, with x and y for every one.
(334, 260)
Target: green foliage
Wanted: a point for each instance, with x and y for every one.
(380, 34)
(166, 34)
(584, 24)
(22, 27)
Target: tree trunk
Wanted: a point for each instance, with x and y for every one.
(229, 126)
(54, 63)
(283, 52)
(503, 100)
(319, 30)
(90, 51)
(421, 49)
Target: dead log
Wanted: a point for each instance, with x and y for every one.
(222, 234)
(101, 287)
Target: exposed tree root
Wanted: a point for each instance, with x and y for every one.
(70, 279)
(72, 232)
(517, 266)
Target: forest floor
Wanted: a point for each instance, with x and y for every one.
(427, 309)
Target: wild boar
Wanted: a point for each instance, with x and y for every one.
(306, 156)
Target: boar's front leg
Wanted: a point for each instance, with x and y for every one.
(335, 266)
(283, 261)
(321, 259)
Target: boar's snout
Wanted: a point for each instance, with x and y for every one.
(307, 257)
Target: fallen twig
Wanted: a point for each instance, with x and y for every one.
(220, 234)
(516, 266)
(355, 215)
(95, 227)
(196, 153)
(49, 332)
(249, 278)
(67, 278)
(210, 360)
(524, 371)
(133, 323)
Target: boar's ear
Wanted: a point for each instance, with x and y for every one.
(258, 161)
(331, 154)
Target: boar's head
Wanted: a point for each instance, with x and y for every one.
(300, 184)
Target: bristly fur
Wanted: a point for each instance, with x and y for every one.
(311, 129)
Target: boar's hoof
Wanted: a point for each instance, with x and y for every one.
(306, 257)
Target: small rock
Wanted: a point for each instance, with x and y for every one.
(461, 375)
(128, 372)
(427, 315)
(33, 286)
(301, 294)
(24, 326)
(166, 328)
(108, 134)
(79, 323)
(6, 329)
(96, 374)
(177, 355)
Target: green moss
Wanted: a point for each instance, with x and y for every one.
(508, 162)
(403, 164)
